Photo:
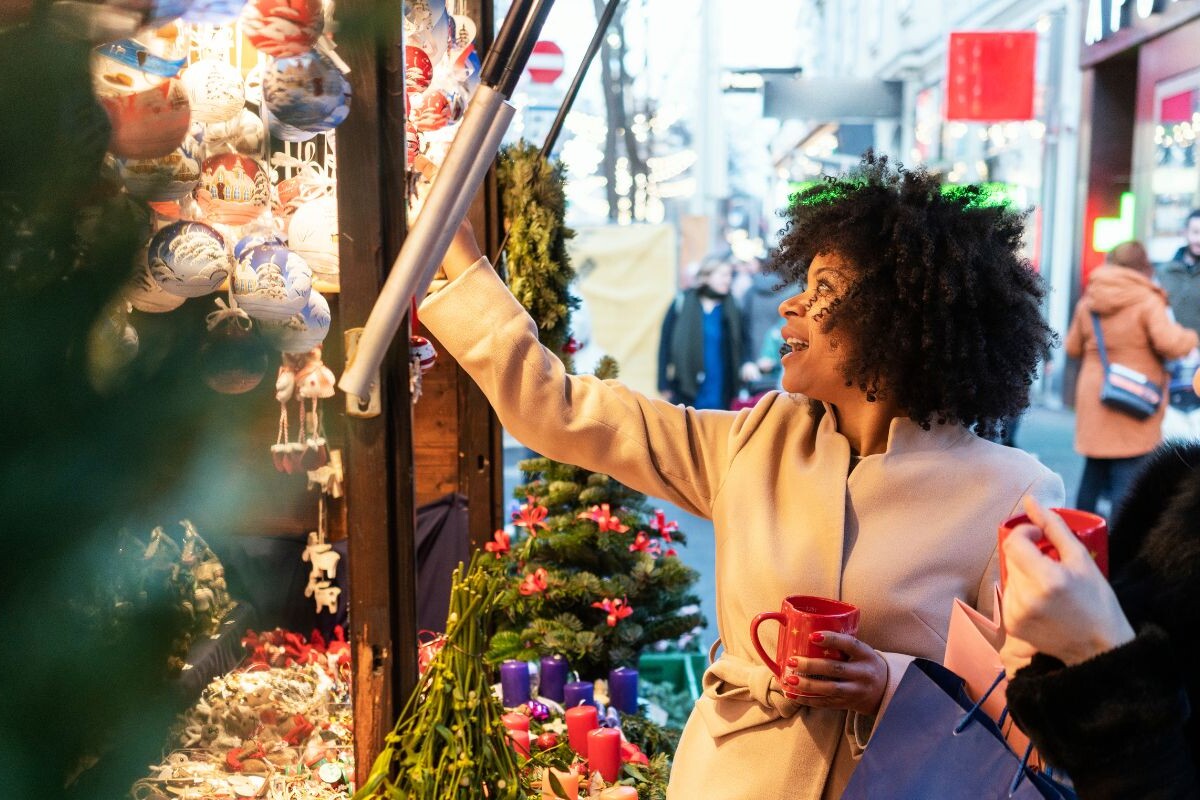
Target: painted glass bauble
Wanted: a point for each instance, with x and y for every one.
(237, 188)
(283, 27)
(302, 91)
(244, 133)
(287, 133)
(313, 233)
(254, 239)
(145, 294)
(188, 259)
(270, 282)
(418, 69)
(300, 332)
(215, 90)
(148, 124)
(128, 66)
(233, 360)
(161, 180)
(214, 12)
(433, 112)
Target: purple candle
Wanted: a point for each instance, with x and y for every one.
(623, 689)
(578, 692)
(514, 683)
(554, 677)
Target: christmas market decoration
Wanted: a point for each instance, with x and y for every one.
(272, 282)
(232, 359)
(165, 179)
(150, 123)
(304, 91)
(302, 331)
(283, 28)
(215, 90)
(145, 294)
(234, 188)
(188, 259)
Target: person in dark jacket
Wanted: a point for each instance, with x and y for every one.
(700, 350)
(1108, 696)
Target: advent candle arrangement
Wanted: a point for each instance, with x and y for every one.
(604, 752)
(553, 677)
(580, 721)
(514, 683)
(515, 722)
(570, 785)
(577, 692)
(623, 689)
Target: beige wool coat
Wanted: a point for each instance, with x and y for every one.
(1138, 334)
(901, 536)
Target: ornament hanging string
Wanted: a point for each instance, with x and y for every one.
(230, 311)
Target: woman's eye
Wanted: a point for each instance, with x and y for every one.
(823, 287)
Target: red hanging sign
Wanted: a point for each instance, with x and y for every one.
(990, 77)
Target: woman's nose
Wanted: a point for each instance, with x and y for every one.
(792, 307)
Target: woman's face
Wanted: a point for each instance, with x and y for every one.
(720, 279)
(812, 360)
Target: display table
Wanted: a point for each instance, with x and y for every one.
(212, 656)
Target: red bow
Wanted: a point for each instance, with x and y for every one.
(604, 517)
(534, 583)
(660, 524)
(644, 543)
(631, 753)
(531, 517)
(617, 610)
(500, 545)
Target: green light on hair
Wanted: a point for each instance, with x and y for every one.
(990, 194)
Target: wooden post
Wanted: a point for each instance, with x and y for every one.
(379, 461)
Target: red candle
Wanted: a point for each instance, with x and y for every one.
(520, 740)
(619, 793)
(580, 720)
(604, 752)
(515, 722)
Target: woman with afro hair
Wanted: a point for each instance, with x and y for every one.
(868, 478)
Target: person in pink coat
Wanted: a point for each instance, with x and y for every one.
(1139, 334)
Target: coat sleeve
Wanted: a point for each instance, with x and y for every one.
(1114, 723)
(660, 449)
(1076, 335)
(1168, 338)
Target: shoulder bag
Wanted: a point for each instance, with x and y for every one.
(1124, 389)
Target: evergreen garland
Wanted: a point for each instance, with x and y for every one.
(539, 269)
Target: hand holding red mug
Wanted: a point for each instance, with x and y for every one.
(1063, 608)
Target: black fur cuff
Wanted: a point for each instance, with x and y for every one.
(1128, 703)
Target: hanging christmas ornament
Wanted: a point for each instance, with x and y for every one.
(213, 12)
(232, 359)
(313, 233)
(144, 293)
(432, 112)
(244, 133)
(285, 454)
(234, 188)
(129, 66)
(412, 144)
(161, 180)
(188, 259)
(254, 239)
(314, 382)
(271, 282)
(301, 332)
(285, 132)
(418, 70)
(148, 124)
(283, 27)
(215, 90)
(303, 91)
(423, 352)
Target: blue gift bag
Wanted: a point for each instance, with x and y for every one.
(935, 742)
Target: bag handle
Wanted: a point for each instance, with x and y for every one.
(1100, 340)
(966, 718)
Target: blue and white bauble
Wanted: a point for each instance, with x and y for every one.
(188, 259)
(303, 91)
(213, 12)
(271, 282)
(145, 294)
(254, 239)
(303, 331)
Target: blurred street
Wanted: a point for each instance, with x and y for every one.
(1045, 433)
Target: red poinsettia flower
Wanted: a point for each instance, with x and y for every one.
(616, 609)
(643, 543)
(660, 524)
(501, 545)
(604, 518)
(535, 582)
(531, 517)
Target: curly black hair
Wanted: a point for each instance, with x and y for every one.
(944, 313)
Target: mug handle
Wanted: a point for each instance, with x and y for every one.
(758, 620)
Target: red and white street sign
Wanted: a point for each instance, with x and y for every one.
(545, 62)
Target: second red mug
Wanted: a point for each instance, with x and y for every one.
(799, 618)
(1089, 528)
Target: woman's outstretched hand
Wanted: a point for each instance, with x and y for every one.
(1065, 608)
(462, 253)
(854, 685)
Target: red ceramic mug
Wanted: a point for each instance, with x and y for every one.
(799, 618)
(1089, 528)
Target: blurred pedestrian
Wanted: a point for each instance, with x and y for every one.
(1138, 334)
(760, 310)
(700, 351)
(1180, 277)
